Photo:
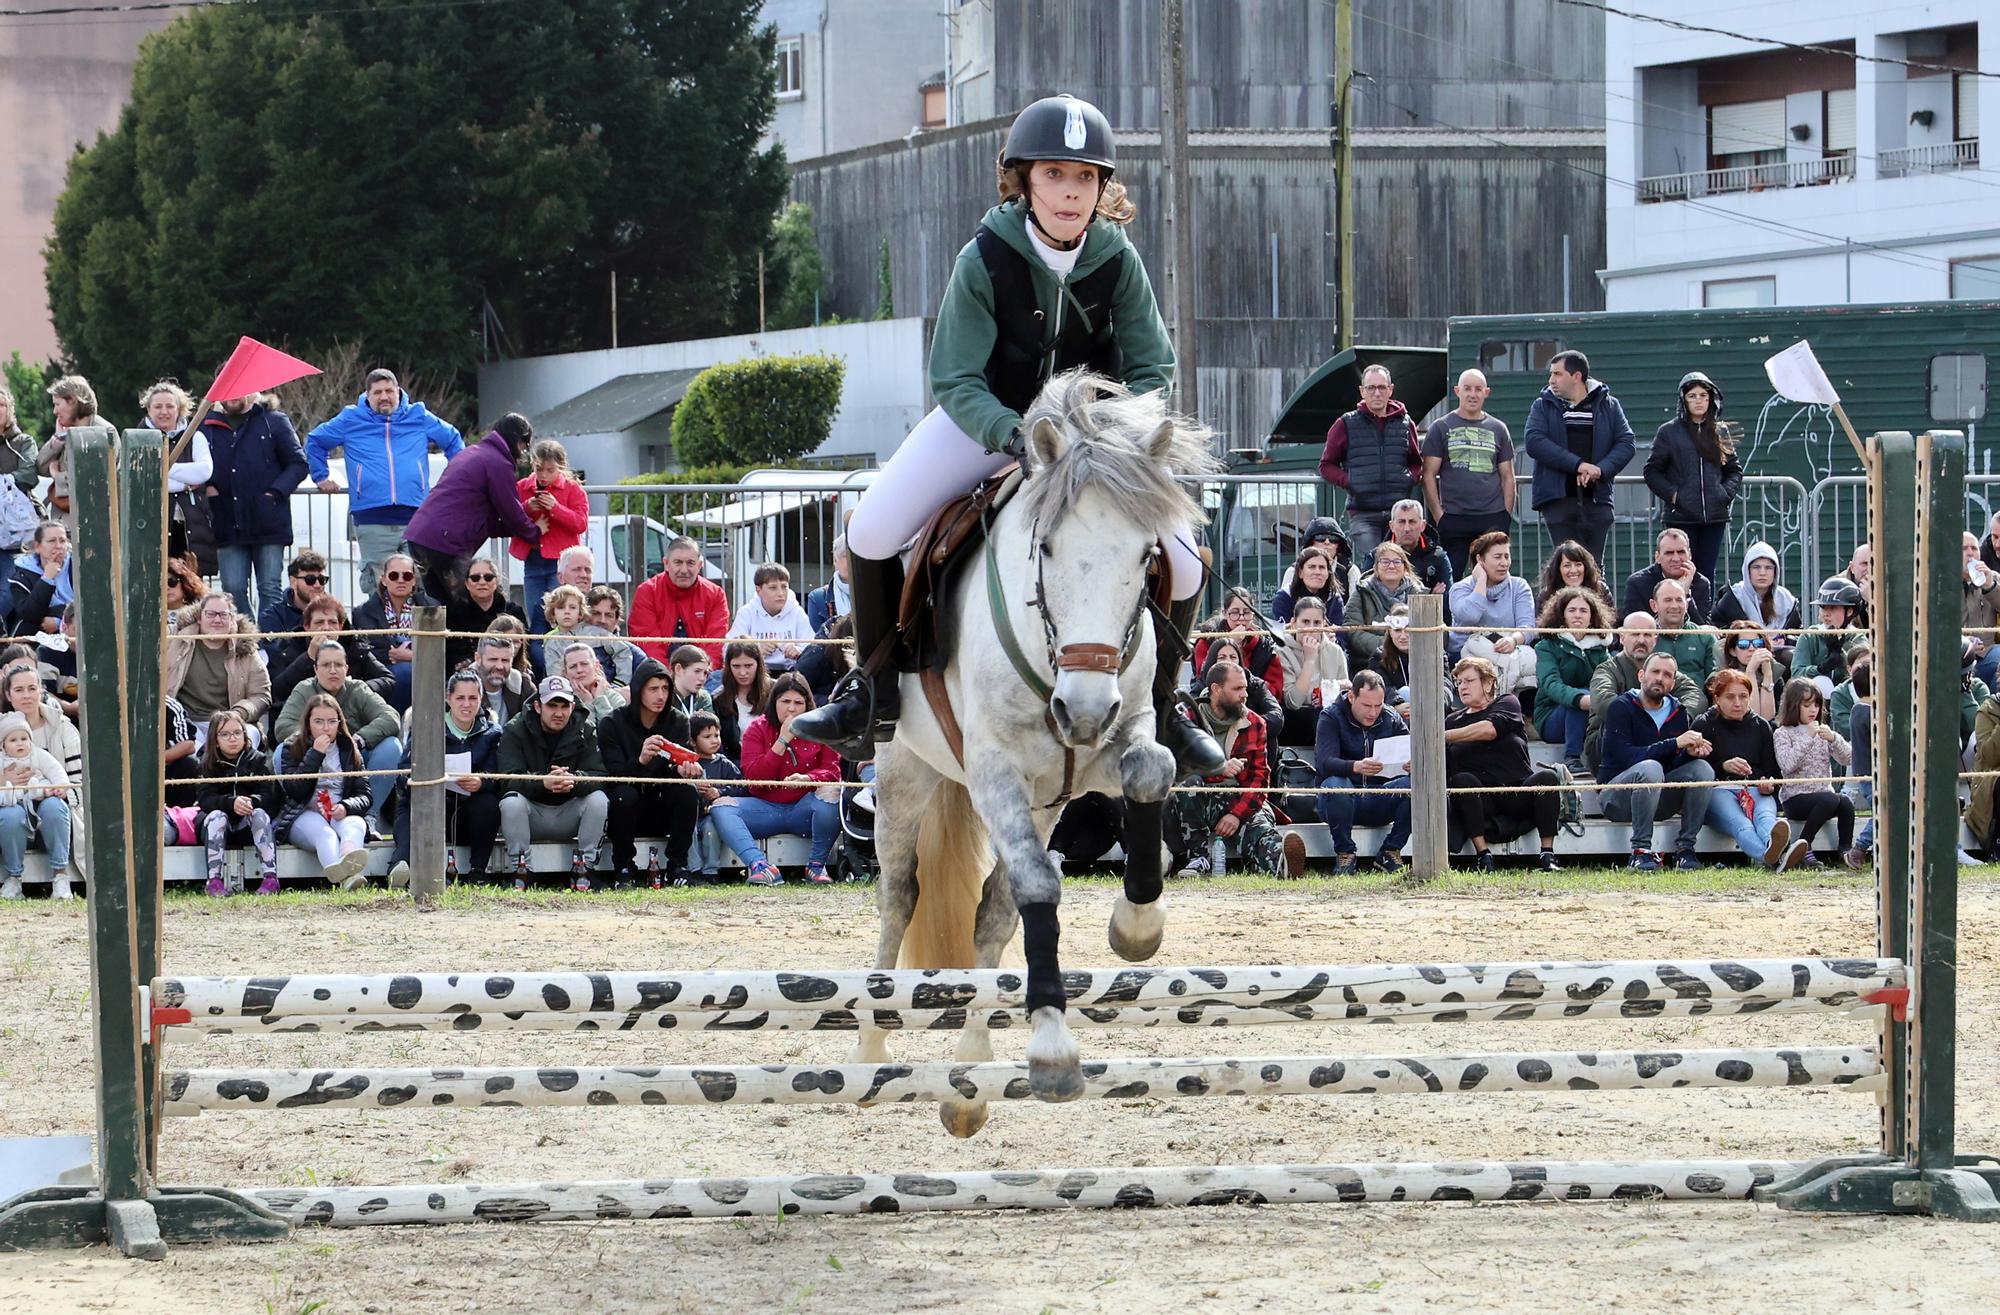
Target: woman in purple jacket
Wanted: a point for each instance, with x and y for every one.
(474, 500)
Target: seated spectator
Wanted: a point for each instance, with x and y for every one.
(577, 568)
(1861, 565)
(1861, 743)
(745, 688)
(1696, 649)
(1312, 576)
(481, 603)
(50, 730)
(1823, 654)
(1564, 665)
(180, 756)
(548, 740)
(1242, 821)
(1255, 638)
(1650, 743)
(717, 771)
(680, 604)
(515, 632)
(1673, 559)
(1637, 636)
(638, 740)
(1486, 744)
(824, 664)
(567, 608)
(184, 586)
(1741, 749)
(1972, 691)
(55, 657)
(471, 802)
(1980, 611)
(1571, 566)
(1264, 705)
(607, 613)
(1979, 809)
(305, 580)
(392, 607)
(232, 809)
(33, 803)
(1428, 563)
(800, 806)
(687, 674)
(222, 670)
(773, 618)
(552, 498)
(504, 687)
(1747, 649)
(835, 598)
(364, 715)
(1492, 611)
(41, 584)
(1344, 756)
(1325, 532)
(1762, 599)
(1392, 663)
(1315, 670)
(326, 799)
(1808, 750)
(327, 619)
(1388, 586)
(1841, 703)
(594, 694)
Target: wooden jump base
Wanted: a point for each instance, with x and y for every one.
(1032, 1189)
(1113, 1079)
(952, 1020)
(1363, 986)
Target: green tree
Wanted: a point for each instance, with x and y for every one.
(30, 386)
(794, 275)
(374, 172)
(885, 287)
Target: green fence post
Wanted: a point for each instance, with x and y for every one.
(142, 477)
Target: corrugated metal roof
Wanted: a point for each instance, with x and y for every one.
(615, 405)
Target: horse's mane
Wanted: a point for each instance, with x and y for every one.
(1110, 429)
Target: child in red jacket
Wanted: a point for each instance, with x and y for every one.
(558, 503)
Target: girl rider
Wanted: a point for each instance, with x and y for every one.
(1049, 283)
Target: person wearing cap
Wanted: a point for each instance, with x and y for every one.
(549, 740)
(1694, 471)
(1824, 653)
(1049, 283)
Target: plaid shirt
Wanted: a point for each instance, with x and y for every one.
(1256, 777)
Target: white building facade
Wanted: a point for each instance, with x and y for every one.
(1745, 174)
(856, 72)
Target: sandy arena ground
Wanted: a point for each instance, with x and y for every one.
(1720, 1257)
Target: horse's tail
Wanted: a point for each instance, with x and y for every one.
(952, 863)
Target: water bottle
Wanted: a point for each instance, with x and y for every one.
(653, 878)
(1218, 856)
(450, 863)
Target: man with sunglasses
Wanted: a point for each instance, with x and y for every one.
(305, 580)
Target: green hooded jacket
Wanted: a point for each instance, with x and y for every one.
(963, 340)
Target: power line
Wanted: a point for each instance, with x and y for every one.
(1807, 47)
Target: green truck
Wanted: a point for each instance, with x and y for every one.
(1916, 366)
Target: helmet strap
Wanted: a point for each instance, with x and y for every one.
(1028, 204)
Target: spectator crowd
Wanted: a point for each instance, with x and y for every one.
(593, 721)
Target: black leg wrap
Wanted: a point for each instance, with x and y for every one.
(1040, 933)
(1144, 832)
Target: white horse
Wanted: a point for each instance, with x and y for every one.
(1071, 553)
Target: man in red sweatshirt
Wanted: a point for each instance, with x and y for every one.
(679, 602)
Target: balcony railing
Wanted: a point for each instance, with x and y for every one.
(1747, 178)
(1940, 157)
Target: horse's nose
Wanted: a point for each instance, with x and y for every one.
(1080, 728)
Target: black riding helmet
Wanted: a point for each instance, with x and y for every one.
(1689, 380)
(1061, 128)
(1838, 591)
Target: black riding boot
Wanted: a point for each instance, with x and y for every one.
(1195, 751)
(862, 705)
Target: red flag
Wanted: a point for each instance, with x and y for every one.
(253, 368)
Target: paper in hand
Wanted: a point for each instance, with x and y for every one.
(1393, 752)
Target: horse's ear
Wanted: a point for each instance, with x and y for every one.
(1045, 443)
(1161, 442)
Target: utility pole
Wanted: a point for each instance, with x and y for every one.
(1343, 169)
(1179, 226)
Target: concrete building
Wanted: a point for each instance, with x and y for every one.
(62, 82)
(1745, 174)
(855, 73)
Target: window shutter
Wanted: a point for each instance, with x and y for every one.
(1967, 91)
(1840, 120)
(1757, 125)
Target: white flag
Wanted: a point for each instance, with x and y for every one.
(1795, 373)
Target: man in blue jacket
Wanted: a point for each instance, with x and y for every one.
(1580, 440)
(1344, 755)
(386, 439)
(1647, 742)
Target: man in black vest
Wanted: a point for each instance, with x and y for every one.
(1372, 453)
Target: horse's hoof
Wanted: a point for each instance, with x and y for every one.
(962, 1119)
(1055, 1083)
(1136, 930)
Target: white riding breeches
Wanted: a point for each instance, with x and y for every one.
(937, 463)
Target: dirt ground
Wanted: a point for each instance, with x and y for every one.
(1716, 1257)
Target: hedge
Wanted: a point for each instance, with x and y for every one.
(768, 410)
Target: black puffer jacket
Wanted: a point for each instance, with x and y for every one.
(623, 734)
(297, 794)
(1695, 490)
